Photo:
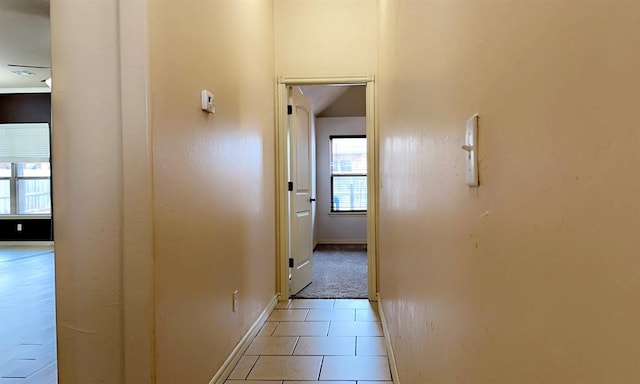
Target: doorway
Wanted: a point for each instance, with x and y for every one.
(342, 203)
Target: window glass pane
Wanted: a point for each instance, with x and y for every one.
(349, 193)
(5, 197)
(349, 155)
(34, 196)
(5, 169)
(34, 169)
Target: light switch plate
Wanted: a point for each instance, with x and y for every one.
(471, 148)
(208, 102)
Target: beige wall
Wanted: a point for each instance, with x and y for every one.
(325, 37)
(532, 277)
(213, 179)
(210, 208)
(87, 185)
(180, 213)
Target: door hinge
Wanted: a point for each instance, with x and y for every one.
(290, 263)
(289, 109)
(290, 186)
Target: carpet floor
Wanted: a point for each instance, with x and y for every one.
(339, 272)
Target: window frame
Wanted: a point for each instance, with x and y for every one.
(13, 191)
(332, 210)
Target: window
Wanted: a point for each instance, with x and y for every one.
(348, 173)
(25, 188)
(25, 169)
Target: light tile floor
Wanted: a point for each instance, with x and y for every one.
(308, 341)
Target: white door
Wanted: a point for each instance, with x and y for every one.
(300, 199)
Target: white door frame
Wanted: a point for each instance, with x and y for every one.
(282, 229)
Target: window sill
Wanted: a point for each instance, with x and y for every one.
(347, 213)
(24, 217)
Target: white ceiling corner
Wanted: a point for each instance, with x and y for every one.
(322, 96)
(24, 40)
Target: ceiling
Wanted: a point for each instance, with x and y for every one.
(24, 40)
(322, 96)
(326, 98)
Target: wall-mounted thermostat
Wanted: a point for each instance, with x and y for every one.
(471, 146)
(208, 102)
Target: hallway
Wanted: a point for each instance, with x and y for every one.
(317, 341)
(172, 236)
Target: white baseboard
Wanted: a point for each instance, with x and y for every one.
(342, 241)
(387, 340)
(243, 344)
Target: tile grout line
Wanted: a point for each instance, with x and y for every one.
(293, 351)
(252, 366)
(321, 366)
(274, 328)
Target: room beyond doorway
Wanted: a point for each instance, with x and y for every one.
(339, 272)
(286, 104)
(28, 323)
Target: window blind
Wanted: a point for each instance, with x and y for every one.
(24, 143)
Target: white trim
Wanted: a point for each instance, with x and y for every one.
(25, 90)
(243, 344)
(347, 213)
(25, 217)
(282, 207)
(387, 340)
(26, 243)
(324, 80)
(372, 189)
(342, 241)
(282, 231)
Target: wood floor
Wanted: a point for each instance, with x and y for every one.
(27, 316)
